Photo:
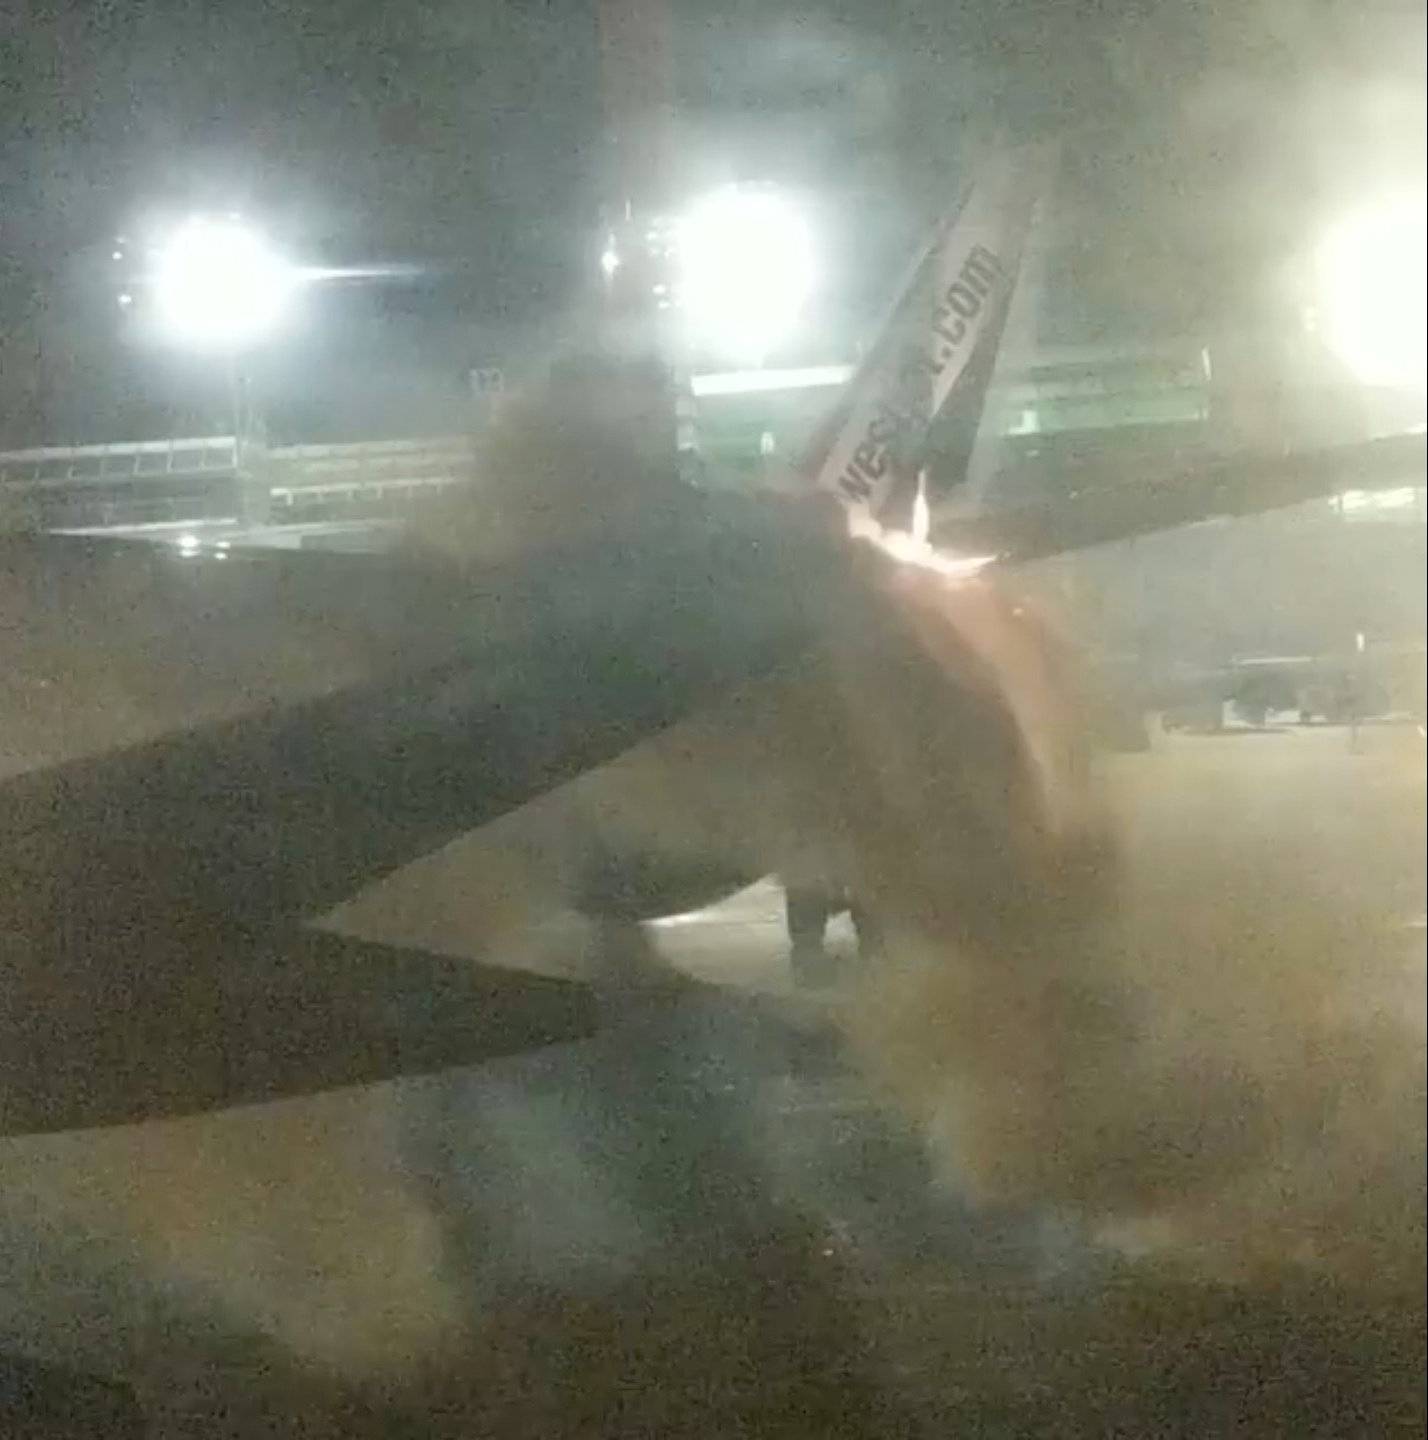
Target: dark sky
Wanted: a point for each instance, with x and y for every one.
(465, 137)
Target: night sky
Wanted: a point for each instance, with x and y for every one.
(1201, 143)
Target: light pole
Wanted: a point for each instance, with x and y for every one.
(744, 270)
(219, 287)
(1371, 294)
(638, 99)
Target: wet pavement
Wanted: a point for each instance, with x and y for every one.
(718, 1219)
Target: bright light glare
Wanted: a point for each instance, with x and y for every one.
(1403, 498)
(753, 382)
(913, 549)
(921, 513)
(746, 268)
(218, 284)
(1371, 269)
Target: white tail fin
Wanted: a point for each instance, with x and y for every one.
(949, 312)
(977, 268)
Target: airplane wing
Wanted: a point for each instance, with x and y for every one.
(158, 889)
(1225, 487)
(155, 894)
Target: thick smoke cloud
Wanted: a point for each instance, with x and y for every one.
(1228, 1073)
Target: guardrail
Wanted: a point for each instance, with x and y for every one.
(307, 482)
(148, 482)
(211, 478)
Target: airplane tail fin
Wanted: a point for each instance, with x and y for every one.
(934, 356)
